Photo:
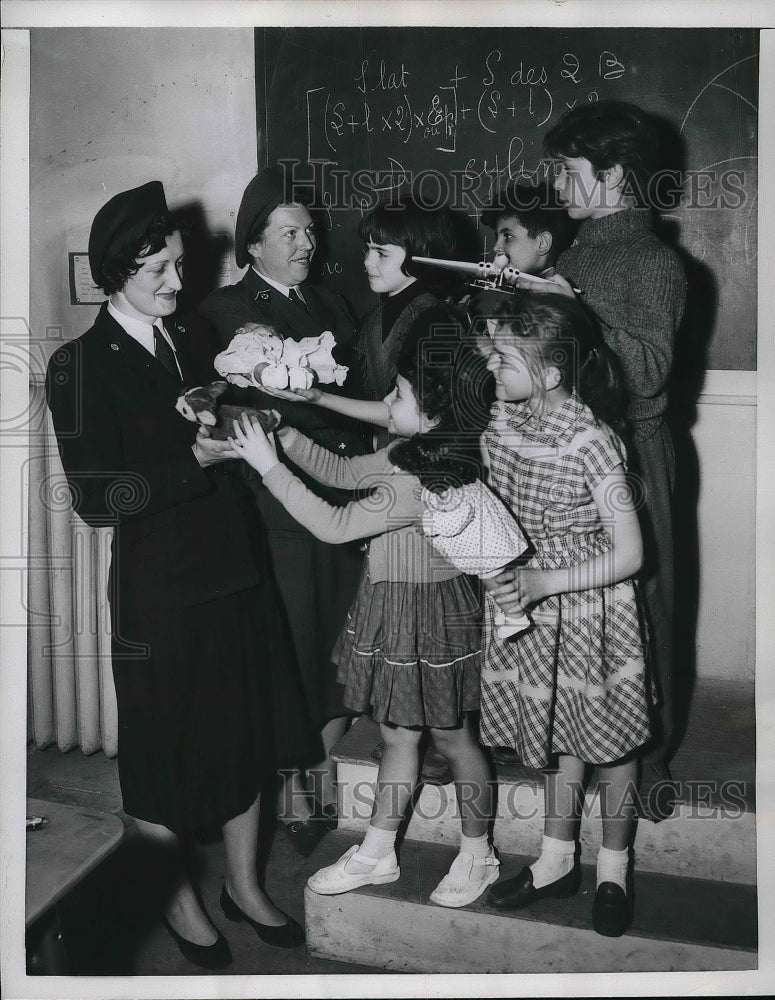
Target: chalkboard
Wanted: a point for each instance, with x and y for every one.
(451, 113)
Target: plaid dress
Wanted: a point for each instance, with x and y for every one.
(575, 683)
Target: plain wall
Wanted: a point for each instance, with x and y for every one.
(111, 109)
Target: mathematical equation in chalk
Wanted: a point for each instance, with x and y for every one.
(389, 98)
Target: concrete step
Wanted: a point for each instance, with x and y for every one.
(711, 834)
(679, 924)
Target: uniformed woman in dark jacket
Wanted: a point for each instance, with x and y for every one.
(202, 705)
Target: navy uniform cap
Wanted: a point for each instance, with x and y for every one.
(121, 221)
(265, 192)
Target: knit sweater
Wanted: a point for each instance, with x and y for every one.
(379, 348)
(390, 515)
(635, 285)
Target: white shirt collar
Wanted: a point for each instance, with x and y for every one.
(139, 329)
(283, 289)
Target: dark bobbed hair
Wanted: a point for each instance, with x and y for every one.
(608, 133)
(536, 207)
(564, 334)
(119, 269)
(420, 230)
(449, 377)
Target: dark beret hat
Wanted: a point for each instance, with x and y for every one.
(121, 221)
(265, 192)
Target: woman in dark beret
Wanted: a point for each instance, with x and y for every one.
(203, 708)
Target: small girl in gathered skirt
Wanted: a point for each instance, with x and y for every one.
(410, 651)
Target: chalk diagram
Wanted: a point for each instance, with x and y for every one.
(729, 230)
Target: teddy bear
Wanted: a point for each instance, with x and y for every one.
(258, 357)
(200, 405)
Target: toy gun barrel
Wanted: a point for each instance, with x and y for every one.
(485, 270)
(466, 267)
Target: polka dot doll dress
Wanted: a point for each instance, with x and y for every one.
(576, 682)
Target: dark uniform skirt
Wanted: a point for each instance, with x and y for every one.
(317, 582)
(209, 704)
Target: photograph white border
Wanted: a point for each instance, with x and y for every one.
(20, 15)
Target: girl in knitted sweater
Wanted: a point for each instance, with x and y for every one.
(409, 653)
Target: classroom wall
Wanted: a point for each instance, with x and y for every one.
(111, 109)
(724, 437)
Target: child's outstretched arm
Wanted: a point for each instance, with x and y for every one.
(358, 472)
(252, 443)
(358, 409)
(393, 504)
(518, 589)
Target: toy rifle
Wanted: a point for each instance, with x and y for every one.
(486, 274)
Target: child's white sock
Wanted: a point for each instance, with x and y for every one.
(612, 866)
(479, 847)
(556, 860)
(376, 844)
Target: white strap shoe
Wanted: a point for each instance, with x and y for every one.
(335, 878)
(467, 879)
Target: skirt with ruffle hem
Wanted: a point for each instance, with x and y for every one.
(410, 653)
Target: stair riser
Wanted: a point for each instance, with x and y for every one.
(696, 842)
(401, 936)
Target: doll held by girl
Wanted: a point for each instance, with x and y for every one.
(410, 650)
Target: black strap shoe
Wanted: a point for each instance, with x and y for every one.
(612, 910)
(287, 935)
(519, 892)
(206, 956)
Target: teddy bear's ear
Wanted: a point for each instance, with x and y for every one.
(218, 388)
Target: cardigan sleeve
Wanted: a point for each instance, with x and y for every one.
(393, 504)
(360, 472)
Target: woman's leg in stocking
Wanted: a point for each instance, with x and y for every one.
(240, 840)
(183, 910)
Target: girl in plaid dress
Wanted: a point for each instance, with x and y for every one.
(409, 653)
(572, 691)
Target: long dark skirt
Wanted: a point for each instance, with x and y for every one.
(317, 582)
(208, 711)
(654, 460)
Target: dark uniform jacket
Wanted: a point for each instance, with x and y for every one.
(183, 534)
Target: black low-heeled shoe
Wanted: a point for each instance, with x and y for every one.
(207, 956)
(287, 935)
(611, 910)
(518, 892)
(327, 816)
(305, 834)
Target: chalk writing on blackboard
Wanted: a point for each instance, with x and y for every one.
(386, 98)
(449, 115)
